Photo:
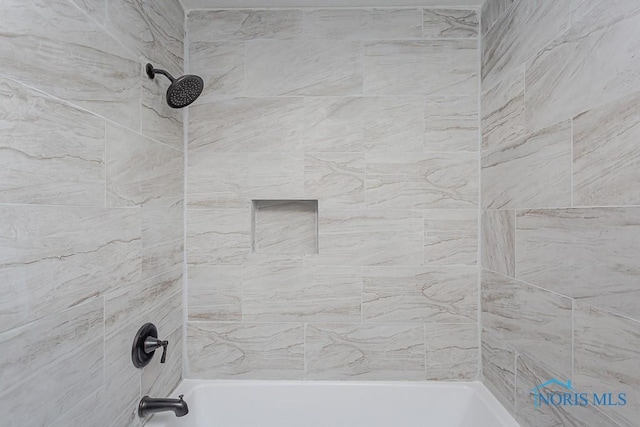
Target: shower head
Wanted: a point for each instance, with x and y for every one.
(182, 91)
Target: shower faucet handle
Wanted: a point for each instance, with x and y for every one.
(151, 344)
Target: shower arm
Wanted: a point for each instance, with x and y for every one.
(151, 72)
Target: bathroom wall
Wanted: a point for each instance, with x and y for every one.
(91, 189)
(561, 206)
(332, 194)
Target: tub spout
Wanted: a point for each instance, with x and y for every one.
(149, 405)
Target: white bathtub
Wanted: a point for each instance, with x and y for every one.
(335, 404)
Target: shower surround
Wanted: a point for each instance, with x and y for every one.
(561, 219)
(332, 194)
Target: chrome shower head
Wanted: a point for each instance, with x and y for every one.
(182, 91)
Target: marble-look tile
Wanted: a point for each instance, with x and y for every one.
(151, 29)
(525, 316)
(221, 66)
(285, 226)
(142, 172)
(55, 48)
(606, 153)
(159, 121)
(602, 60)
(96, 9)
(450, 23)
(117, 400)
(53, 258)
(369, 237)
(52, 153)
(215, 293)
(498, 243)
(517, 35)
(420, 294)
(532, 172)
(451, 123)
(422, 181)
(55, 361)
(299, 294)
(247, 125)
(244, 24)
(335, 179)
(532, 374)
(231, 180)
(587, 254)
(452, 352)
(492, 10)
(503, 119)
(606, 359)
(364, 352)
(160, 379)
(428, 67)
(157, 300)
(218, 236)
(311, 67)
(499, 369)
(362, 24)
(450, 237)
(162, 240)
(245, 350)
(601, 13)
(352, 124)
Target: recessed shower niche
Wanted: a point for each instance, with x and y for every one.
(285, 226)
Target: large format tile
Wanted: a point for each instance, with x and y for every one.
(142, 172)
(498, 244)
(55, 361)
(520, 33)
(245, 350)
(353, 124)
(55, 48)
(411, 181)
(451, 123)
(247, 125)
(584, 68)
(312, 294)
(428, 67)
(588, 254)
(532, 374)
(369, 237)
(532, 172)
(221, 66)
(606, 359)
(55, 258)
(503, 118)
(231, 180)
(450, 237)
(452, 352)
(218, 236)
(312, 67)
(525, 316)
(52, 153)
(162, 240)
(499, 369)
(244, 24)
(215, 293)
(450, 23)
(359, 352)
(335, 179)
(151, 29)
(420, 294)
(491, 11)
(362, 24)
(606, 153)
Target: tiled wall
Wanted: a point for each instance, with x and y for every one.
(561, 206)
(374, 114)
(91, 188)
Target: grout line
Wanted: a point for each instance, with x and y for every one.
(571, 163)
